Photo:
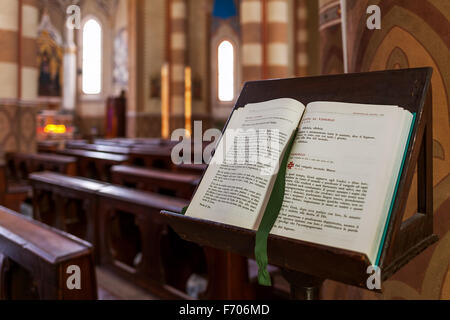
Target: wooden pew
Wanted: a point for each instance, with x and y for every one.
(160, 156)
(190, 168)
(222, 283)
(67, 203)
(122, 224)
(47, 146)
(180, 185)
(128, 215)
(155, 153)
(3, 183)
(108, 142)
(103, 148)
(21, 165)
(125, 142)
(35, 261)
(135, 243)
(95, 165)
(152, 157)
(74, 144)
(12, 194)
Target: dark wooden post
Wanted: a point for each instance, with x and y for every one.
(303, 286)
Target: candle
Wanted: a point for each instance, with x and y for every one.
(188, 101)
(165, 112)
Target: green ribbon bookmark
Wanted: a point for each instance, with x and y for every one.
(270, 216)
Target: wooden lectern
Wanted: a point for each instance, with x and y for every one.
(305, 265)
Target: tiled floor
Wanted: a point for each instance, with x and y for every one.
(112, 287)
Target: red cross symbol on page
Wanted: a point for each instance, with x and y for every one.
(291, 165)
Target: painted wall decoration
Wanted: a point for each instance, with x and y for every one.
(18, 126)
(121, 60)
(413, 34)
(330, 29)
(50, 59)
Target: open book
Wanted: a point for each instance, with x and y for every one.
(341, 174)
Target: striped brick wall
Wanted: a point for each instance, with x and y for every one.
(178, 25)
(301, 38)
(19, 20)
(252, 44)
(30, 73)
(264, 28)
(15, 52)
(276, 47)
(9, 28)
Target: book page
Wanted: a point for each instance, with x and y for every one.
(237, 183)
(340, 174)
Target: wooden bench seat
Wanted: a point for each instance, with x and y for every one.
(20, 165)
(134, 240)
(12, 194)
(67, 203)
(180, 185)
(73, 144)
(126, 142)
(131, 239)
(95, 165)
(107, 142)
(93, 155)
(190, 168)
(16, 187)
(151, 200)
(34, 261)
(103, 148)
(152, 156)
(122, 223)
(47, 146)
(77, 183)
(17, 168)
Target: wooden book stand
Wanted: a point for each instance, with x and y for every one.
(306, 265)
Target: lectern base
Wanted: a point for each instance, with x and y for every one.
(303, 286)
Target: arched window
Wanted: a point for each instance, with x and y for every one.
(92, 57)
(226, 69)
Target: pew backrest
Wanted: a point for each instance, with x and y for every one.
(48, 255)
(103, 156)
(160, 181)
(77, 183)
(103, 148)
(21, 165)
(150, 200)
(3, 183)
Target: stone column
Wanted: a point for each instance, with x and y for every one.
(252, 44)
(277, 38)
(18, 74)
(9, 61)
(30, 71)
(301, 38)
(178, 25)
(135, 9)
(8, 75)
(70, 71)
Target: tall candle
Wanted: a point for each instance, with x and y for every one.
(188, 101)
(165, 111)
